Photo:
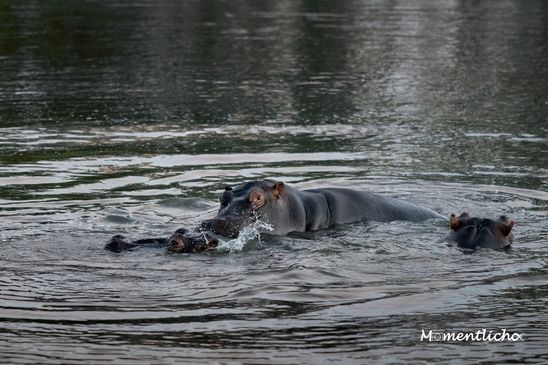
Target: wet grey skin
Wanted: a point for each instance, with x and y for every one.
(472, 233)
(290, 210)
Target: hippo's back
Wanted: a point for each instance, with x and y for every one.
(347, 206)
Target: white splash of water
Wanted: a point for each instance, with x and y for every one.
(247, 234)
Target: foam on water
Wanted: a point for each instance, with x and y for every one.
(246, 235)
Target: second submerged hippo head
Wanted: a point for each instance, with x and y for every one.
(183, 241)
(471, 232)
(243, 205)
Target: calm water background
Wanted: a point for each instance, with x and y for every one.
(130, 116)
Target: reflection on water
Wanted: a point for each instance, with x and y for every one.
(129, 117)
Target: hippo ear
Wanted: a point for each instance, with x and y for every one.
(454, 222)
(228, 188)
(278, 189)
(506, 228)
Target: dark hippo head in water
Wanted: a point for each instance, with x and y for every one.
(243, 205)
(183, 241)
(471, 232)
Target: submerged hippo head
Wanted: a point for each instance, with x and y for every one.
(191, 242)
(242, 205)
(471, 232)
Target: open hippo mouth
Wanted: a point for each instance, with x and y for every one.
(183, 241)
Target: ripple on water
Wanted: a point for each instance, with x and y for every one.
(357, 288)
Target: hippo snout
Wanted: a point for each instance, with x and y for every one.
(225, 226)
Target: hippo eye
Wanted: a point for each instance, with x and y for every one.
(257, 199)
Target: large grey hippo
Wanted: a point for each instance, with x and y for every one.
(290, 210)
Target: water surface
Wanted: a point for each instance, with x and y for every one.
(131, 116)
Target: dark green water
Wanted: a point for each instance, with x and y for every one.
(130, 116)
